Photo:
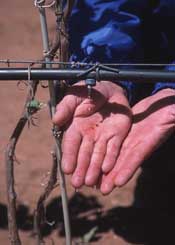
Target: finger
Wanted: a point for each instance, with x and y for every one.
(87, 107)
(94, 169)
(137, 152)
(108, 180)
(70, 147)
(107, 183)
(90, 106)
(113, 148)
(98, 183)
(128, 153)
(131, 155)
(65, 109)
(99, 96)
(141, 141)
(129, 166)
(84, 157)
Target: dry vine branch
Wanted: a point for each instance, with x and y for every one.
(39, 214)
(61, 35)
(10, 151)
(9, 159)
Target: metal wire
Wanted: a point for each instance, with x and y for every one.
(76, 64)
(41, 4)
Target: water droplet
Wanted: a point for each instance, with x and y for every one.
(76, 190)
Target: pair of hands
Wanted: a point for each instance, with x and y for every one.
(105, 141)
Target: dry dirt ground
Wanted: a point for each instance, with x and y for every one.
(120, 219)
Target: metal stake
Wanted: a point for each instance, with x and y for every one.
(45, 38)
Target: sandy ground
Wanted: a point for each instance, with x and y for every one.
(117, 220)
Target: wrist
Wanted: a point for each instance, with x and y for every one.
(114, 88)
(168, 91)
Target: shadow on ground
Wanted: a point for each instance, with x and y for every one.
(135, 225)
(150, 220)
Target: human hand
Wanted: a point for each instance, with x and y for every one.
(153, 123)
(95, 130)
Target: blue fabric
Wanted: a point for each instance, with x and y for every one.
(124, 31)
(162, 85)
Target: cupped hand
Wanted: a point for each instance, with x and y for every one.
(95, 130)
(153, 123)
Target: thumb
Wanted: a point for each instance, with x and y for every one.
(77, 104)
(89, 107)
(65, 109)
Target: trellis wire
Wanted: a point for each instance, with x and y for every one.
(82, 64)
(41, 4)
(45, 39)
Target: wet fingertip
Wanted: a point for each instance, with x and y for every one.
(57, 120)
(106, 189)
(120, 180)
(104, 193)
(105, 169)
(89, 181)
(76, 182)
(67, 169)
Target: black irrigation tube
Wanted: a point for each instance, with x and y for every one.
(135, 75)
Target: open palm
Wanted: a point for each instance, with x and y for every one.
(95, 130)
(153, 123)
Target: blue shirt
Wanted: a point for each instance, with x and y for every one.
(124, 31)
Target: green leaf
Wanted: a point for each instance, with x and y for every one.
(34, 104)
